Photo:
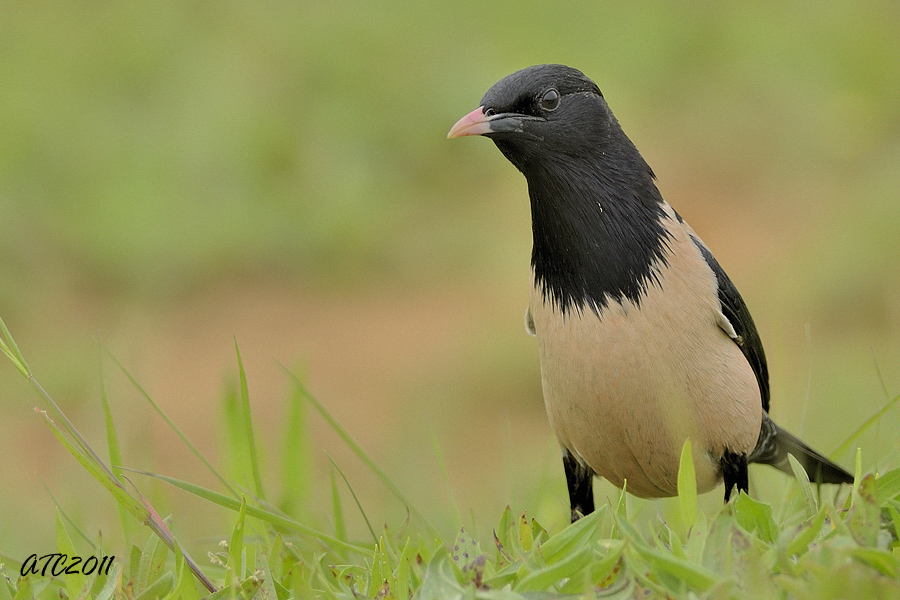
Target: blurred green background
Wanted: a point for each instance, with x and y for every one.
(174, 175)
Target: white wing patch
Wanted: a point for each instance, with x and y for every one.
(726, 326)
(529, 322)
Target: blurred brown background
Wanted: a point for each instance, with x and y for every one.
(178, 175)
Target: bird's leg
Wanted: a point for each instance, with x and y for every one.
(580, 479)
(734, 472)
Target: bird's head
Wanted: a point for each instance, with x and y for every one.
(592, 195)
(542, 113)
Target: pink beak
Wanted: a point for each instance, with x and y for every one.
(474, 123)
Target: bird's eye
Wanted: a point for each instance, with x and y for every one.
(550, 100)
(488, 112)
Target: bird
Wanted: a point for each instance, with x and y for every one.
(644, 341)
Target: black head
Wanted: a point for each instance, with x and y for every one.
(526, 92)
(541, 113)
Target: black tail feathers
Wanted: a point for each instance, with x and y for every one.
(775, 444)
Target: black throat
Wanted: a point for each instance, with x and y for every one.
(599, 232)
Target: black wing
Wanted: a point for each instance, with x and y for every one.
(774, 443)
(736, 312)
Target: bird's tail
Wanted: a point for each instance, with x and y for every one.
(775, 444)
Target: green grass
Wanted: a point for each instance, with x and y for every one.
(815, 544)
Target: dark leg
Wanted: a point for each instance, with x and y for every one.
(581, 492)
(734, 472)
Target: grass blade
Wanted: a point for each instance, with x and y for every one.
(185, 589)
(115, 453)
(236, 548)
(888, 485)
(365, 458)
(580, 533)
(340, 530)
(865, 426)
(11, 350)
(113, 583)
(248, 423)
(269, 516)
(159, 527)
(755, 516)
(547, 576)
(245, 590)
(355, 498)
(74, 580)
(150, 566)
(687, 489)
(801, 540)
(72, 525)
(695, 576)
(267, 590)
(803, 481)
(69, 431)
(174, 427)
(108, 481)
